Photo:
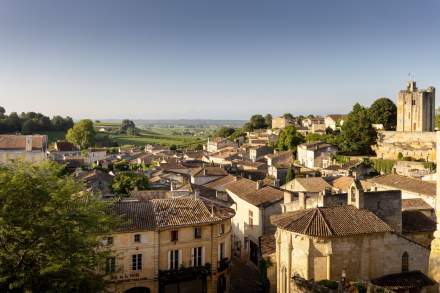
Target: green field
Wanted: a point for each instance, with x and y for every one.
(149, 137)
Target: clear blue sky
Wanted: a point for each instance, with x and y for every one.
(212, 59)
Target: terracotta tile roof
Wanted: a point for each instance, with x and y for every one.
(415, 204)
(404, 281)
(208, 171)
(247, 190)
(157, 214)
(135, 215)
(220, 183)
(18, 142)
(267, 244)
(406, 183)
(343, 183)
(150, 194)
(337, 117)
(309, 184)
(316, 145)
(416, 221)
(337, 221)
(95, 175)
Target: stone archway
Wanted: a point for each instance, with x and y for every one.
(138, 290)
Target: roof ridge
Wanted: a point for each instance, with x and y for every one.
(325, 221)
(310, 220)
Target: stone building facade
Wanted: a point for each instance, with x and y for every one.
(173, 245)
(30, 148)
(416, 109)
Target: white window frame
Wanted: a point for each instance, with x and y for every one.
(174, 263)
(197, 256)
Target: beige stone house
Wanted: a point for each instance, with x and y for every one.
(361, 240)
(203, 175)
(282, 122)
(31, 148)
(334, 121)
(170, 245)
(254, 203)
(316, 154)
(218, 143)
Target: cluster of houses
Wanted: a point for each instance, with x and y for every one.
(232, 202)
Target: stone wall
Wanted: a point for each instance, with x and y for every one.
(418, 145)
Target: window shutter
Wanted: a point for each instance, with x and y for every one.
(192, 256)
(180, 258)
(203, 255)
(169, 259)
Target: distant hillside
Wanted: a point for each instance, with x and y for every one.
(182, 122)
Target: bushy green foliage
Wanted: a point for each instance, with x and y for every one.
(48, 231)
(289, 139)
(224, 132)
(128, 127)
(357, 134)
(383, 166)
(290, 174)
(331, 284)
(124, 183)
(82, 134)
(268, 120)
(384, 111)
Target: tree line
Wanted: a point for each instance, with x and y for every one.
(32, 122)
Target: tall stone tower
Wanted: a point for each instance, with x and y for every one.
(416, 109)
(434, 258)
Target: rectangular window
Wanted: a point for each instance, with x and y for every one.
(137, 237)
(173, 259)
(251, 218)
(174, 235)
(221, 229)
(109, 241)
(136, 262)
(221, 251)
(196, 255)
(110, 265)
(197, 232)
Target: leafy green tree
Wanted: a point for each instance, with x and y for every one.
(384, 111)
(357, 135)
(288, 116)
(82, 134)
(124, 183)
(2, 112)
(289, 139)
(29, 127)
(257, 122)
(224, 132)
(268, 120)
(437, 118)
(173, 147)
(128, 126)
(290, 174)
(48, 231)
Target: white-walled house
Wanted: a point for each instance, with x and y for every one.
(253, 205)
(316, 154)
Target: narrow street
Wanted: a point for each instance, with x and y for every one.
(243, 278)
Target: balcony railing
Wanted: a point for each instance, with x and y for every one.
(223, 264)
(184, 274)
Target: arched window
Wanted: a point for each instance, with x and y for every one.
(405, 262)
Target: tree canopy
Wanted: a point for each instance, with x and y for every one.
(31, 122)
(224, 132)
(124, 183)
(357, 135)
(82, 134)
(289, 139)
(268, 120)
(48, 231)
(128, 127)
(384, 111)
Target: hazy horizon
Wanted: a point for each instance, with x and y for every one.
(200, 59)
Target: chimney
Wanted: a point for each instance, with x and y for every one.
(302, 200)
(28, 146)
(259, 184)
(412, 86)
(356, 194)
